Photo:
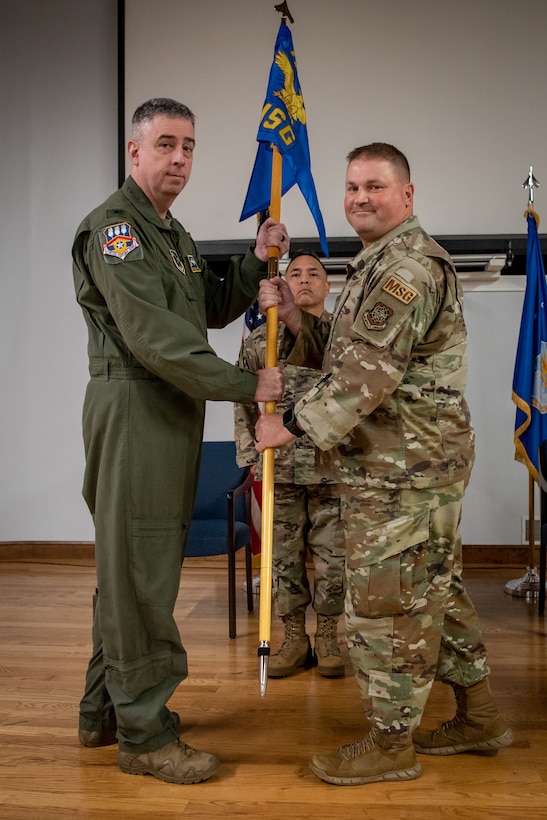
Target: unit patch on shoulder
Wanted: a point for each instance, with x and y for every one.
(377, 317)
(119, 240)
(400, 290)
(194, 267)
(179, 264)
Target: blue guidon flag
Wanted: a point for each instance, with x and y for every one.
(283, 124)
(530, 375)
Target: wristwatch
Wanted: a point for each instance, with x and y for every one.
(289, 422)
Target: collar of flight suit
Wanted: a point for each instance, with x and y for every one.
(140, 201)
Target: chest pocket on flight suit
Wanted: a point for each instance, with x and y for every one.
(185, 285)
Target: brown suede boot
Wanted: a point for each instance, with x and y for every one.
(377, 757)
(295, 651)
(175, 762)
(330, 663)
(476, 727)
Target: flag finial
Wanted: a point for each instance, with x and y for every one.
(283, 9)
(530, 183)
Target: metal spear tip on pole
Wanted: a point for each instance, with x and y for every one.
(263, 657)
(530, 183)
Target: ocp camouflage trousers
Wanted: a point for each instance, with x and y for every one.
(308, 519)
(408, 616)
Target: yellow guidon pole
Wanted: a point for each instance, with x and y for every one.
(266, 533)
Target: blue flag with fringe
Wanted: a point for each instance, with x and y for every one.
(283, 124)
(530, 375)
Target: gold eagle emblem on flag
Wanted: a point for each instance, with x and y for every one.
(293, 102)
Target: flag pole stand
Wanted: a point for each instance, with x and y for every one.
(527, 586)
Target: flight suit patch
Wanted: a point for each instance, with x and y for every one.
(194, 267)
(377, 318)
(179, 264)
(400, 290)
(119, 240)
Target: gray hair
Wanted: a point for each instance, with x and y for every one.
(158, 106)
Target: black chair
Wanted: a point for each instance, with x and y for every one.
(543, 523)
(222, 514)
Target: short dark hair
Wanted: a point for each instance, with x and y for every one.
(306, 252)
(383, 150)
(160, 106)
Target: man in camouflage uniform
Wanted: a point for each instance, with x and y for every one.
(390, 417)
(307, 505)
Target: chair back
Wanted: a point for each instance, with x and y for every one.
(210, 527)
(218, 474)
(221, 520)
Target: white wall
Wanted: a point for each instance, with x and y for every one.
(497, 497)
(59, 159)
(458, 86)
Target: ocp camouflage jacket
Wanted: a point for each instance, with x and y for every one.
(389, 410)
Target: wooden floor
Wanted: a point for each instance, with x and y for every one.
(264, 743)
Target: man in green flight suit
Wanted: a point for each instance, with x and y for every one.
(148, 298)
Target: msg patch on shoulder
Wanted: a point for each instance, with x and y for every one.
(400, 290)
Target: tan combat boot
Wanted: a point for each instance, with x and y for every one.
(330, 663)
(175, 762)
(476, 727)
(295, 651)
(377, 757)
